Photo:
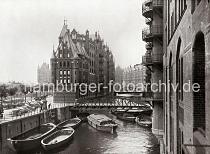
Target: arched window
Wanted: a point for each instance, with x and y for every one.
(199, 77)
(179, 92)
(179, 73)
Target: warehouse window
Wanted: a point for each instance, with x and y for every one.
(182, 80)
(178, 70)
(199, 77)
(170, 82)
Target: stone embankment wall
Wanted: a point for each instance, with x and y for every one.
(17, 126)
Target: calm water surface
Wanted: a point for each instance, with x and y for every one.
(129, 139)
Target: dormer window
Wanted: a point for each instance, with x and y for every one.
(74, 36)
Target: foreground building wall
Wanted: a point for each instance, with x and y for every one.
(186, 59)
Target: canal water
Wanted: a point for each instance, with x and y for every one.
(129, 139)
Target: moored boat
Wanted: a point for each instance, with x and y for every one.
(57, 139)
(126, 117)
(119, 111)
(73, 123)
(102, 123)
(31, 139)
(144, 122)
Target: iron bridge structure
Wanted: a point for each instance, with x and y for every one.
(113, 102)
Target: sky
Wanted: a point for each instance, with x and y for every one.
(30, 28)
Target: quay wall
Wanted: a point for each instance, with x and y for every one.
(17, 126)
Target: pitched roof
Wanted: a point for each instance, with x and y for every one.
(81, 49)
(63, 31)
(76, 48)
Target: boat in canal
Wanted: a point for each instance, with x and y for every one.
(118, 111)
(102, 123)
(58, 138)
(144, 121)
(73, 123)
(126, 117)
(31, 139)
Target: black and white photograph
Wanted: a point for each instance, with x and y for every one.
(105, 77)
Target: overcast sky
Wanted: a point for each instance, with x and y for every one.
(29, 28)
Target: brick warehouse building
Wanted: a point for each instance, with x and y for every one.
(186, 58)
(152, 10)
(80, 58)
(134, 74)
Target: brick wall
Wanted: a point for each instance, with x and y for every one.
(189, 26)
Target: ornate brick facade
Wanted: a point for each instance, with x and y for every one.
(80, 58)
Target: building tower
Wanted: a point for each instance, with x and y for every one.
(152, 10)
(43, 73)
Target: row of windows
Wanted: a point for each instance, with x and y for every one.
(92, 63)
(90, 54)
(179, 80)
(64, 72)
(67, 64)
(63, 77)
(175, 16)
(65, 81)
(64, 55)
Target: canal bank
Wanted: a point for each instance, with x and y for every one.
(19, 125)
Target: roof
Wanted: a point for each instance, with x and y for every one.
(100, 117)
(63, 31)
(80, 49)
(75, 48)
